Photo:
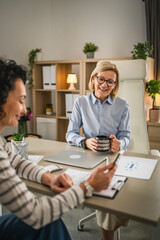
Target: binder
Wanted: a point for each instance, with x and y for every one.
(69, 105)
(46, 77)
(53, 77)
(49, 77)
(70, 98)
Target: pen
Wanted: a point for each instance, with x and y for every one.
(115, 161)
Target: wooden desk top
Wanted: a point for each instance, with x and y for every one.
(138, 199)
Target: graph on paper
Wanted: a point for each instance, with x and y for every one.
(136, 167)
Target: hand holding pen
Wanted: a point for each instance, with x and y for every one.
(118, 155)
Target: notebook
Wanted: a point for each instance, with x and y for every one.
(86, 159)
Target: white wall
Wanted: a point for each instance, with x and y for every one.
(62, 27)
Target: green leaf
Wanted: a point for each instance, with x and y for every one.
(153, 88)
(31, 61)
(142, 50)
(18, 137)
(90, 47)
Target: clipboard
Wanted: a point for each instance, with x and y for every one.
(115, 186)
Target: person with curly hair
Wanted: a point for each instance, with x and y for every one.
(32, 217)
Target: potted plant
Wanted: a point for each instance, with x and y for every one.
(49, 109)
(142, 50)
(153, 88)
(18, 137)
(31, 59)
(89, 49)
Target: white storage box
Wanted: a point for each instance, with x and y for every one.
(46, 127)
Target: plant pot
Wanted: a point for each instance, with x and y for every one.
(90, 54)
(38, 56)
(154, 115)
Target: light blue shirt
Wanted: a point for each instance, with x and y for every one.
(110, 117)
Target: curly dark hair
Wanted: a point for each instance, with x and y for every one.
(9, 72)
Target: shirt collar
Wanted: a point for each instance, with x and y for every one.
(108, 100)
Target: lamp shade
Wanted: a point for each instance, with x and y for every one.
(72, 78)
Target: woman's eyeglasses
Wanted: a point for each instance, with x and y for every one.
(109, 82)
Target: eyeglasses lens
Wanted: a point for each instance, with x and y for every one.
(101, 80)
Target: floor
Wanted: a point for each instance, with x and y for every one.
(135, 230)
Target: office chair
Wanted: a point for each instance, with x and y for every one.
(132, 74)
(133, 92)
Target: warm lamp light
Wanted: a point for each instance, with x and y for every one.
(157, 100)
(71, 78)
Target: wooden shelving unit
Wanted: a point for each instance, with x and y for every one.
(41, 97)
(154, 134)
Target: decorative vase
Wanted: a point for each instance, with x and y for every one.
(90, 54)
(22, 128)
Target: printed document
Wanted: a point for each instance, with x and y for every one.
(136, 167)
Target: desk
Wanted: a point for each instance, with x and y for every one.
(138, 199)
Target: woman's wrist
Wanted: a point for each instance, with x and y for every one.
(47, 178)
(83, 188)
(87, 189)
(83, 143)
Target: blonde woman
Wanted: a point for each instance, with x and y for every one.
(101, 113)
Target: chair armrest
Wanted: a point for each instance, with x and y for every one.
(155, 152)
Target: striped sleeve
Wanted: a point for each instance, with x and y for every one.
(36, 212)
(24, 168)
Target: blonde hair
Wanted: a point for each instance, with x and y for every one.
(105, 66)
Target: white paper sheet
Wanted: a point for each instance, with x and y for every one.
(35, 158)
(136, 167)
(79, 176)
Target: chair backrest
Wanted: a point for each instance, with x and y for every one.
(133, 92)
(132, 76)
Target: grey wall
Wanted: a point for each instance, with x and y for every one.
(62, 27)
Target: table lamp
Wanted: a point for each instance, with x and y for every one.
(71, 78)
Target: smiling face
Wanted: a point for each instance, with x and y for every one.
(15, 105)
(102, 91)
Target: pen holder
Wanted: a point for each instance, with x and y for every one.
(104, 143)
(20, 147)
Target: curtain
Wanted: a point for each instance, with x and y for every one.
(152, 9)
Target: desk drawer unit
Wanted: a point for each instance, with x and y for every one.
(154, 135)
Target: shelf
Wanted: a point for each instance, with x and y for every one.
(68, 91)
(45, 90)
(46, 116)
(153, 124)
(62, 117)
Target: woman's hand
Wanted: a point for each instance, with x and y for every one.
(100, 179)
(92, 144)
(115, 144)
(57, 183)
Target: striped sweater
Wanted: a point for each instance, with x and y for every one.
(34, 211)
